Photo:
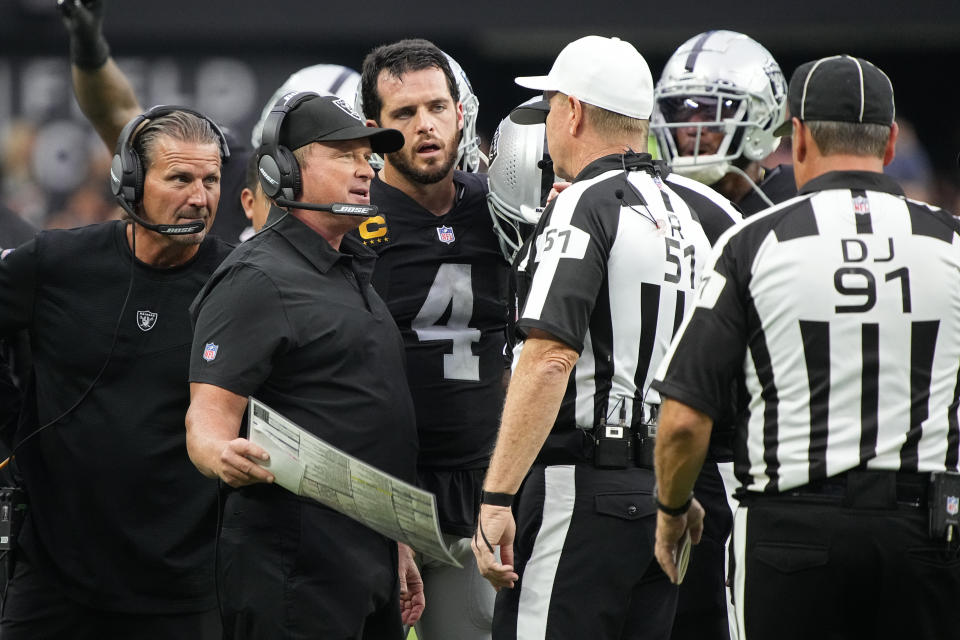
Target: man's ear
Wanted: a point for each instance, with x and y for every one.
(247, 198)
(460, 117)
(798, 141)
(891, 150)
(575, 119)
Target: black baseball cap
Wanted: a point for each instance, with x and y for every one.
(839, 89)
(329, 118)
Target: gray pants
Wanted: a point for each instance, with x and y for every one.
(459, 601)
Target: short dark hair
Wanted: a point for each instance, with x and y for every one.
(251, 177)
(414, 54)
(178, 125)
(850, 138)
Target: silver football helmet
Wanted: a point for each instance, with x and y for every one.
(719, 98)
(520, 177)
(325, 79)
(468, 152)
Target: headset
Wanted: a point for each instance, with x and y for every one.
(279, 170)
(127, 169)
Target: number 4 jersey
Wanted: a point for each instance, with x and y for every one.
(445, 282)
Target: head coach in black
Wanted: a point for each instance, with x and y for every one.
(117, 540)
(838, 310)
(292, 319)
(601, 287)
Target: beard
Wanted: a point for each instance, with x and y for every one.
(434, 172)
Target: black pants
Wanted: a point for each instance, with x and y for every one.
(584, 552)
(702, 608)
(296, 570)
(857, 564)
(35, 608)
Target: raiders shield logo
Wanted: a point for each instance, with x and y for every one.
(146, 320)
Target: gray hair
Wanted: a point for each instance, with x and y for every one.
(178, 125)
(849, 138)
(614, 124)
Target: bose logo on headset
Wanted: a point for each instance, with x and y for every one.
(347, 208)
(267, 177)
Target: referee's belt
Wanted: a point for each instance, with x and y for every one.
(578, 445)
(867, 489)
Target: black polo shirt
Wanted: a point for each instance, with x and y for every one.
(296, 324)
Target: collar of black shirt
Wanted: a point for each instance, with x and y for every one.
(317, 250)
(629, 161)
(866, 180)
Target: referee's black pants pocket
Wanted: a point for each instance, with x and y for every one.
(584, 551)
(819, 570)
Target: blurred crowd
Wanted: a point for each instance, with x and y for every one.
(49, 185)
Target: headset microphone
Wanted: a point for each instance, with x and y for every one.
(165, 229)
(339, 208)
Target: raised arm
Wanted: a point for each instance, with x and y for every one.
(104, 94)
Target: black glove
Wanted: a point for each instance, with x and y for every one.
(84, 21)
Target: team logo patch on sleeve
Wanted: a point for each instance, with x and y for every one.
(446, 234)
(146, 320)
(953, 505)
(210, 351)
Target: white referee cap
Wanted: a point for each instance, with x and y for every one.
(606, 72)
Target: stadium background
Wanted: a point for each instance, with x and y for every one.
(226, 57)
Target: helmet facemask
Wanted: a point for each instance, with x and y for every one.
(720, 84)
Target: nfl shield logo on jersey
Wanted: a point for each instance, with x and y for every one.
(445, 234)
(953, 505)
(146, 320)
(210, 351)
(861, 205)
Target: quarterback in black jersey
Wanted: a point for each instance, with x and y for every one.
(443, 277)
(118, 537)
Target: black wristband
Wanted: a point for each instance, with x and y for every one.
(673, 511)
(496, 499)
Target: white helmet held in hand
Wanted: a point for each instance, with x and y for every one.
(520, 177)
(719, 98)
(325, 79)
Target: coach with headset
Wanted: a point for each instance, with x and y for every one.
(117, 541)
(292, 319)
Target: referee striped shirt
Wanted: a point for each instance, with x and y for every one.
(611, 272)
(840, 310)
